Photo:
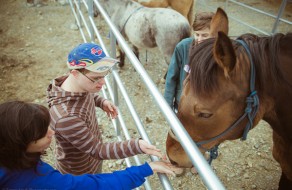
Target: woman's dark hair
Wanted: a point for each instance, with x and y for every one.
(20, 124)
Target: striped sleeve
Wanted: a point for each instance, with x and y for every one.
(98, 100)
(74, 130)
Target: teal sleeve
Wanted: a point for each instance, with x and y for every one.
(172, 78)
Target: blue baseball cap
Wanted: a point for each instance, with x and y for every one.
(90, 56)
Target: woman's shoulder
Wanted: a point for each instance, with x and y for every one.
(185, 42)
(25, 177)
(43, 166)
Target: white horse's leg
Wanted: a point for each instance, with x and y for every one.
(136, 51)
(121, 56)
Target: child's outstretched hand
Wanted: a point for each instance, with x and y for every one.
(162, 167)
(150, 149)
(110, 109)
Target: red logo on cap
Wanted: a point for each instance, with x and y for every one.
(96, 51)
(73, 63)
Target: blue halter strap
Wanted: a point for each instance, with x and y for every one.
(252, 100)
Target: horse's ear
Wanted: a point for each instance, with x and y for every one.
(224, 53)
(219, 22)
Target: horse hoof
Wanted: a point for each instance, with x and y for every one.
(30, 4)
(162, 81)
(121, 64)
(194, 171)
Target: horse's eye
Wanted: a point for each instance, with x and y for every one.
(205, 115)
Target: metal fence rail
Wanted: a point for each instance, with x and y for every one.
(83, 13)
(209, 178)
(78, 14)
(277, 17)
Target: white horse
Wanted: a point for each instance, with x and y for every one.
(146, 28)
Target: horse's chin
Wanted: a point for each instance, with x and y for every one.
(180, 162)
(185, 166)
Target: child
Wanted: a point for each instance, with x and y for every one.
(176, 74)
(24, 136)
(72, 100)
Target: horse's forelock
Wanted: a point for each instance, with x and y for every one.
(203, 68)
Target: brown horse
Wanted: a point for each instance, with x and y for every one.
(233, 84)
(184, 7)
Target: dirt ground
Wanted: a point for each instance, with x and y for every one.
(34, 44)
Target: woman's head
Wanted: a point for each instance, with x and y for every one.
(24, 134)
(201, 26)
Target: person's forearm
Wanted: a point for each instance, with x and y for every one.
(129, 178)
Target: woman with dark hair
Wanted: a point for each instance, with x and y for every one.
(24, 129)
(24, 136)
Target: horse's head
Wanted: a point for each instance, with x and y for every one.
(214, 94)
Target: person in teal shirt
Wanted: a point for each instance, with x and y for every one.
(24, 136)
(178, 66)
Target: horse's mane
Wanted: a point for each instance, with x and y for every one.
(204, 69)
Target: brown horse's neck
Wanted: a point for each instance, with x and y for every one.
(274, 79)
